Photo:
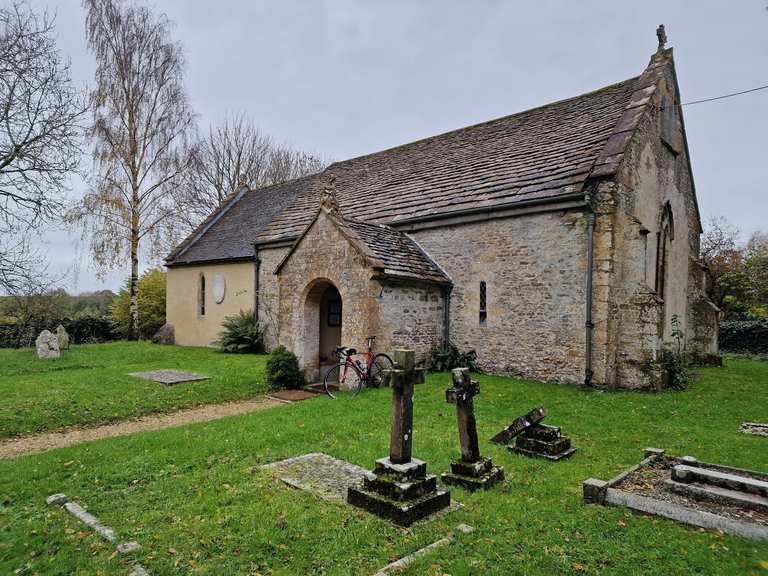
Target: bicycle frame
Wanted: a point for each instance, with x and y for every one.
(368, 355)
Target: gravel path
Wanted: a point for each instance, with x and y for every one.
(12, 448)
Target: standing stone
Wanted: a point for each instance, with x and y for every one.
(471, 471)
(399, 488)
(165, 335)
(47, 345)
(63, 337)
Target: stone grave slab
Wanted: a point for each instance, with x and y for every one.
(325, 476)
(707, 495)
(754, 428)
(169, 377)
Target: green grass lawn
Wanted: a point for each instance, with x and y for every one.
(197, 502)
(89, 384)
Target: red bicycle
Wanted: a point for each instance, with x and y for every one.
(349, 376)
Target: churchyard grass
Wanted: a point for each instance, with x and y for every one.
(198, 503)
(89, 384)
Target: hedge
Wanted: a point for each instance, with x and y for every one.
(81, 330)
(744, 336)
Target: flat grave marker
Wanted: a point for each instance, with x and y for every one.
(169, 377)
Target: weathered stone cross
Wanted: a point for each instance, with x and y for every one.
(471, 471)
(462, 394)
(399, 487)
(403, 378)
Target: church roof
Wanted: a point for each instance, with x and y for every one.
(228, 233)
(398, 254)
(543, 154)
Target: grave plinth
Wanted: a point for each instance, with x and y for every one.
(519, 424)
(399, 487)
(532, 438)
(471, 471)
(543, 441)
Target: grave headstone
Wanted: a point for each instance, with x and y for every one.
(63, 337)
(399, 487)
(471, 471)
(47, 345)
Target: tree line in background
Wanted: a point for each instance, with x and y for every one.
(89, 317)
(153, 176)
(737, 282)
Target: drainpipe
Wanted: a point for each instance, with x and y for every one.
(447, 315)
(257, 267)
(588, 324)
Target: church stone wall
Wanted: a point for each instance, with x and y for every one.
(637, 320)
(410, 316)
(534, 267)
(269, 293)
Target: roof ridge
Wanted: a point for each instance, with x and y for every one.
(484, 123)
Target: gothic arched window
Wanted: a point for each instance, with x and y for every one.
(664, 236)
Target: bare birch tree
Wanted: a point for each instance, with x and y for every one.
(142, 121)
(236, 153)
(40, 137)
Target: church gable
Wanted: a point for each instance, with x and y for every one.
(386, 251)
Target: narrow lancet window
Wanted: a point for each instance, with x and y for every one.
(201, 298)
(483, 304)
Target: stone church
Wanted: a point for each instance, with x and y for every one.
(560, 243)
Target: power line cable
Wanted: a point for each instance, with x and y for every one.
(725, 96)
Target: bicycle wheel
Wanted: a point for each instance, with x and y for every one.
(343, 380)
(379, 365)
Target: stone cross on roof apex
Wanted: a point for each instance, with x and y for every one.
(662, 36)
(328, 200)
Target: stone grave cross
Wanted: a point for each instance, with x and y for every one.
(403, 378)
(471, 471)
(462, 394)
(399, 487)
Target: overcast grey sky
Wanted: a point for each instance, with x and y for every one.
(343, 78)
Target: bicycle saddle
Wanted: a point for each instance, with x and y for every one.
(345, 350)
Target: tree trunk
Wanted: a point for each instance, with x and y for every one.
(133, 320)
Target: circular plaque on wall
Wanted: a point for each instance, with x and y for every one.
(219, 288)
